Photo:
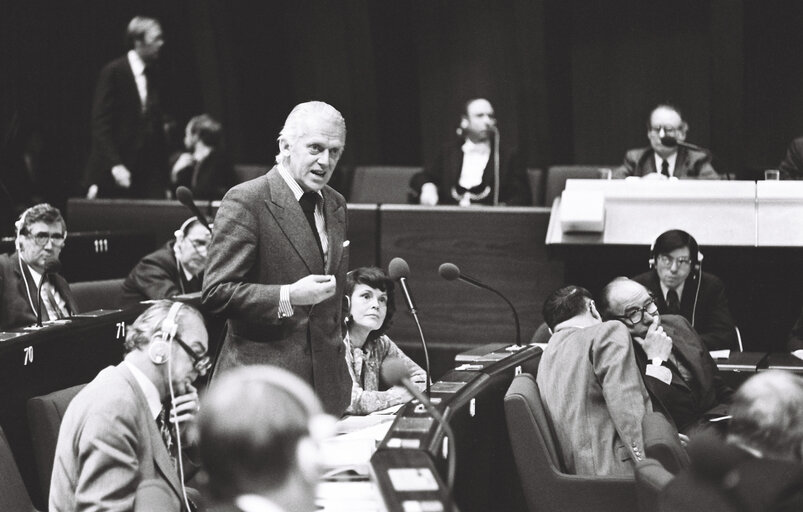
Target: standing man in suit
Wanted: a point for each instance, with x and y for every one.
(278, 260)
(591, 387)
(683, 381)
(174, 269)
(116, 437)
(260, 429)
(466, 169)
(680, 287)
(41, 233)
(128, 158)
(666, 159)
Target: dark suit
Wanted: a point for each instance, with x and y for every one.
(445, 171)
(108, 443)
(712, 320)
(125, 133)
(792, 165)
(262, 240)
(687, 404)
(751, 485)
(157, 276)
(690, 164)
(208, 179)
(15, 307)
(796, 336)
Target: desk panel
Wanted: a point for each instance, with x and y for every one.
(780, 213)
(501, 246)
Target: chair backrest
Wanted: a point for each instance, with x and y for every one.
(44, 420)
(92, 295)
(661, 442)
(557, 175)
(13, 495)
(381, 184)
(651, 478)
(245, 172)
(538, 459)
(535, 177)
(541, 334)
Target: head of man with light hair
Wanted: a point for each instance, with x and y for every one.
(311, 143)
(259, 431)
(144, 36)
(767, 415)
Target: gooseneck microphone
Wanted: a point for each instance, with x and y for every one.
(450, 272)
(394, 373)
(51, 267)
(185, 196)
(672, 142)
(398, 270)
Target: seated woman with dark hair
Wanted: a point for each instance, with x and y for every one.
(368, 309)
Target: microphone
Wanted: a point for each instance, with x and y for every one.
(450, 272)
(51, 267)
(672, 142)
(185, 196)
(395, 374)
(497, 179)
(398, 270)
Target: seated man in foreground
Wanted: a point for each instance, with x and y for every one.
(259, 432)
(668, 156)
(174, 269)
(760, 466)
(41, 233)
(591, 387)
(683, 381)
(116, 435)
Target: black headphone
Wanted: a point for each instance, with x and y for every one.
(686, 241)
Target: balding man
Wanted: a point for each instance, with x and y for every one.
(665, 158)
(680, 375)
(278, 259)
(464, 172)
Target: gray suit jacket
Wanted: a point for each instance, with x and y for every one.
(593, 391)
(690, 164)
(109, 443)
(262, 240)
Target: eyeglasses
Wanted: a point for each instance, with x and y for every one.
(665, 259)
(42, 237)
(201, 363)
(636, 315)
(669, 130)
(199, 245)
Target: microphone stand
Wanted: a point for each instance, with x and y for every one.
(496, 166)
(414, 312)
(470, 280)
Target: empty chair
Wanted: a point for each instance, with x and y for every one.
(547, 486)
(44, 420)
(103, 294)
(13, 495)
(381, 184)
(557, 175)
(661, 442)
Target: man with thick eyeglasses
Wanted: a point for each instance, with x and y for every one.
(175, 268)
(41, 233)
(668, 155)
(680, 287)
(127, 428)
(680, 375)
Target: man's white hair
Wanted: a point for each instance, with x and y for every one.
(296, 121)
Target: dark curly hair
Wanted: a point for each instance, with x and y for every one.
(375, 278)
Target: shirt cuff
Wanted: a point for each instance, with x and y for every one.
(285, 308)
(659, 372)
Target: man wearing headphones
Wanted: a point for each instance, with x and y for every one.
(117, 437)
(474, 168)
(174, 269)
(259, 432)
(680, 287)
(682, 379)
(41, 232)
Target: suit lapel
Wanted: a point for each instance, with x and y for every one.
(161, 457)
(131, 82)
(682, 163)
(689, 358)
(27, 286)
(335, 231)
(284, 207)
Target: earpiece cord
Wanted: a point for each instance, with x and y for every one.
(27, 288)
(697, 293)
(178, 432)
